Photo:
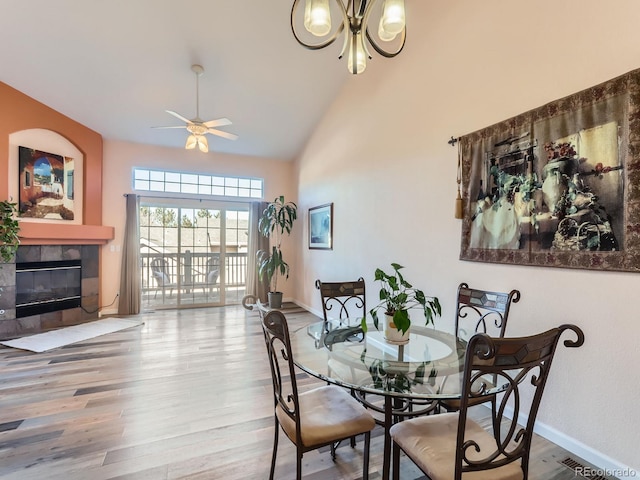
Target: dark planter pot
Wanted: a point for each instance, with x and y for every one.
(275, 299)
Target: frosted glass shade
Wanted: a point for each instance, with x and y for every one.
(317, 17)
(192, 141)
(197, 140)
(384, 35)
(357, 61)
(392, 21)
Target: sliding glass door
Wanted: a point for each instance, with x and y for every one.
(193, 253)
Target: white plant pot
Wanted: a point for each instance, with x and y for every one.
(392, 334)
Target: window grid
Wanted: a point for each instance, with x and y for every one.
(196, 184)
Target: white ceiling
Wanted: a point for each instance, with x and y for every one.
(115, 66)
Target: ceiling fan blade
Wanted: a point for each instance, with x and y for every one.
(217, 123)
(175, 126)
(220, 133)
(177, 115)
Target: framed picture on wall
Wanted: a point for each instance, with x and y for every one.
(46, 182)
(321, 227)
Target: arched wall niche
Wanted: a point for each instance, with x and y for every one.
(52, 142)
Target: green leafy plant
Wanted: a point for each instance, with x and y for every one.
(276, 220)
(398, 297)
(9, 228)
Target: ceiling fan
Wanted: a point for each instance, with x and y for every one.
(196, 127)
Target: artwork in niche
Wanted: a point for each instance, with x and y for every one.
(46, 185)
(552, 186)
(321, 227)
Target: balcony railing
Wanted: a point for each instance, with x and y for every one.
(192, 270)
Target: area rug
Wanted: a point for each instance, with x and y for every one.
(42, 342)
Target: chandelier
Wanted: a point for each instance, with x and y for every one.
(387, 38)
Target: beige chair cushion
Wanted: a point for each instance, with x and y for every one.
(327, 414)
(431, 443)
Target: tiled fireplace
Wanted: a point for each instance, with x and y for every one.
(48, 286)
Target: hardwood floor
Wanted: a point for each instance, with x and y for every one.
(186, 395)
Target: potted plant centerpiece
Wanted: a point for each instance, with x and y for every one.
(9, 228)
(277, 218)
(398, 297)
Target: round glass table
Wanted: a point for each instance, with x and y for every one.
(396, 380)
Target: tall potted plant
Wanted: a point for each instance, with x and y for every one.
(9, 228)
(398, 297)
(277, 218)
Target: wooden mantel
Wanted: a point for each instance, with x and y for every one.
(32, 233)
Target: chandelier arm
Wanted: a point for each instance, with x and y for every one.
(384, 52)
(346, 26)
(366, 50)
(326, 43)
(365, 8)
(345, 44)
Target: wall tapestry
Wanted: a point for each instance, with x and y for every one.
(558, 185)
(46, 185)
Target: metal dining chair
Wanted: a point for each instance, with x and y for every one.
(480, 311)
(343, 305)
(448, 445)
(313, 419)
(343, 302)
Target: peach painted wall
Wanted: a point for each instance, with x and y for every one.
(121, 157)
(381, 155)
(20, 112)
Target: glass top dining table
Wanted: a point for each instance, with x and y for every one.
(396, 380)
(427, 367)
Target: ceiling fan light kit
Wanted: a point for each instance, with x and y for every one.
(198, 128)
(354, 20)
(199, 140)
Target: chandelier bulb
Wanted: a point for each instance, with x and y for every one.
(317, 17)
(392, 21)
(357, 61)
(384, 35)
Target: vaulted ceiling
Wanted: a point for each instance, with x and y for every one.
(117, 65)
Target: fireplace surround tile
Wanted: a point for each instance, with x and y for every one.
(29, 253)
(11, 327)
(7, 297)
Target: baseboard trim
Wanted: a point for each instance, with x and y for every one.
(317, 313)
(596, 458)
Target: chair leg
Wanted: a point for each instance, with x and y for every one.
(395, 461)
(353, 439)
(275, 451)
(298, 463)
(365, 467)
